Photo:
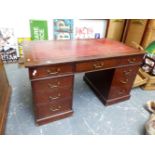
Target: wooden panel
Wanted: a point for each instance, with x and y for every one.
(4, 85)
(151, 24)
(47, 71)
(115, 29)
(3, 81)
(135, 31)
(5, 92)
(149, 34)
(148, 37)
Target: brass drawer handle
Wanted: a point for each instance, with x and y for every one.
(53, 73)
(121, 92)
(54, 86)
(98, 66)
(56, 97)
(127, 72)
(131, 61)
(55, 109)
(125, 81)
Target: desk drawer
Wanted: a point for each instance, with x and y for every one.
(52, 84)
(131, 60)
(122, 81)
(51, 109)
(48, 97)
(46, 71)
(95, 65)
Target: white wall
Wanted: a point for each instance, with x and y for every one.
(22, 27)
(98, 26)
(16, 14)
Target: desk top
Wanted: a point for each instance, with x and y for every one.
(37, 53)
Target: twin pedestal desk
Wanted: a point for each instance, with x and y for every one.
(110, 69)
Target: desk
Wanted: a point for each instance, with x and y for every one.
(110, 68)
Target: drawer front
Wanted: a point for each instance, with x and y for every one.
(122, 81)
(46, 71)
(52, 84)
(95, 65)
(51, 109)
(131, 60)
(44, 98)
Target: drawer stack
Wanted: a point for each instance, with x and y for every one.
(113, 85)
(52, 88)
(123, 81)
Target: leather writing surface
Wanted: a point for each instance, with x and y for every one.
(75, 49)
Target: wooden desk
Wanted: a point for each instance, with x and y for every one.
(110, 68)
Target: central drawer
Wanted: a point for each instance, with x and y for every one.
(95, 65)
(107, 63)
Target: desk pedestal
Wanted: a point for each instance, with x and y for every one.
(113, 85)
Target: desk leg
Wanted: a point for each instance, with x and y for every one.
(114, 85)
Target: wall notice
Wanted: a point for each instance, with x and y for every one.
(8, 45)
(39, 29)
(63, 29)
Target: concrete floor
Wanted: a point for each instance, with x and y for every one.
(90, 115)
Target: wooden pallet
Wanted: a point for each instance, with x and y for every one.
(150, 84)
(140, 79)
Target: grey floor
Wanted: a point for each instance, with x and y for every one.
(90, 115)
